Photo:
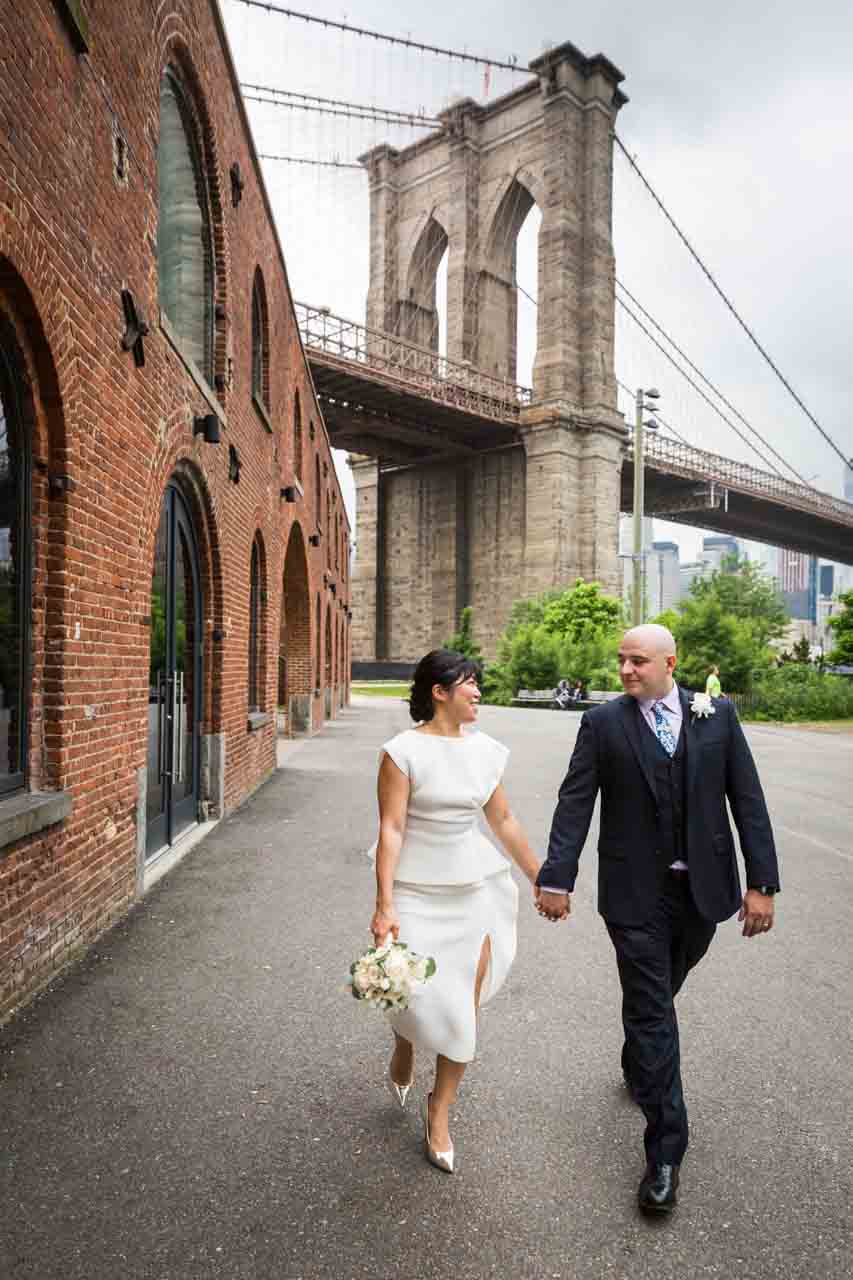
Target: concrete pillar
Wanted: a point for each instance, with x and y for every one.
(574, 360)
(462, 121)
(383, 292)
(572, 501)
(368, 557)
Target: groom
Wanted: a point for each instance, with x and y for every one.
(667, 869)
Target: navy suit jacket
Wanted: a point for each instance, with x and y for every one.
(609, 758)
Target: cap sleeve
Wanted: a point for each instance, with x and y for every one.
(495, 757)
(398, 749)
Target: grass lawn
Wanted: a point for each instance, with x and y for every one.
(377, 690)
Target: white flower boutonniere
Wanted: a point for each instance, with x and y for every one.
(702, 706)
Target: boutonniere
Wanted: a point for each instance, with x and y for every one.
(702, 706)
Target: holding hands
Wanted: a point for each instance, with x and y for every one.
(552, 906)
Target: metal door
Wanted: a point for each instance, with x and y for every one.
(175, 679)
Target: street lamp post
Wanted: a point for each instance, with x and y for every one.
(639, 557)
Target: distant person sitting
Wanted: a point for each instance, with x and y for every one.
(578, 691)
(712, 684)
(563, 695)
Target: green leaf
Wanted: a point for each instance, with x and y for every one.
(430, 967)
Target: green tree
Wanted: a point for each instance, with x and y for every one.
(707, 635)
(801, 652)
(842, 629)
(747, 593)
(534, 661)
(582, 611)
(463, 640)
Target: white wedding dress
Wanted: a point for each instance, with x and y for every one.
(452, 888)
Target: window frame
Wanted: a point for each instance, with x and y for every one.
(255, 629)
(172, 77)
(13, 375)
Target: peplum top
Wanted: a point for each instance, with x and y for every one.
(450, 780)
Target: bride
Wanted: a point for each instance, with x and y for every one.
(441, 886)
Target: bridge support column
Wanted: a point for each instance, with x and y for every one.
(369, 556)
(572, 501)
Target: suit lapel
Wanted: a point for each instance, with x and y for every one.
(631, 716)
(688, 728)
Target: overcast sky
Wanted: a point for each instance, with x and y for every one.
(740, 114)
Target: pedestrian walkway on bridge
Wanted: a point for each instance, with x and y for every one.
(200, 1098)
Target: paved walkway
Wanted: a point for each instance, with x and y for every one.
(199, 1098)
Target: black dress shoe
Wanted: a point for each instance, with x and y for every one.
(657, 1188)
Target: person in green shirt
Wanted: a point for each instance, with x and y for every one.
(712, 684)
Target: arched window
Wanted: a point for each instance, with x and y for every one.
(319, 667)
(318, 494)
(329, 528)
(256, 630)
(260, 342)
(297, 438)
(184, 243)
(330, 678)
(15, 538)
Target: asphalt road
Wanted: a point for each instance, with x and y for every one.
(200, 1098)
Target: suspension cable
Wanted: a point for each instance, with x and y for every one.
(697, 388)
(365, 113)
(630, 392)
(389, 115)
(708, 274)
(458, 55)
(716, 390)
(321, 164)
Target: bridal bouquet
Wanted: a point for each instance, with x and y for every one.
(387, 976)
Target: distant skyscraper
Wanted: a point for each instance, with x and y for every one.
(717, 547)
(663, 578)
(848, 481)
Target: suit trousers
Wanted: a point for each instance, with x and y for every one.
(653, 960)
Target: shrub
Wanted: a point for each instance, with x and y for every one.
(799, 692)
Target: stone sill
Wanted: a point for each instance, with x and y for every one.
(257, 720)
(30, 811)
(262, 411)
(174, 339)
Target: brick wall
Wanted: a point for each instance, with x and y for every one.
(78, 224)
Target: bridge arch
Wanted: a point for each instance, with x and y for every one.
(498, 295)
(418, 311)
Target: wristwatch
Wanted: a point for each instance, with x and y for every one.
(767, 889)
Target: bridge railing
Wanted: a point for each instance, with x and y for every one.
(678, 458)
(450, 382)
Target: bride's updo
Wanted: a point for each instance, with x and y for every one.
(440, 666)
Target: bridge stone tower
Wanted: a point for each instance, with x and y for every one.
(490, 527)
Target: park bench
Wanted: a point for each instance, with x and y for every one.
(545, 698)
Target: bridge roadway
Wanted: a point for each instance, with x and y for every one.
(386, 398)
(200, 1099)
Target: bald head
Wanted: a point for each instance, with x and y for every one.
(647, 661)
(653, 637)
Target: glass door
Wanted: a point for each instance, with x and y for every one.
(174, 682)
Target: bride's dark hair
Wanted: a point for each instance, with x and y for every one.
(440, 666)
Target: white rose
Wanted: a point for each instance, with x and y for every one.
(361, 981)
(396, 966)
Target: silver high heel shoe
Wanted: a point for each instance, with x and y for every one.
(399, 1092)
(441, 1159)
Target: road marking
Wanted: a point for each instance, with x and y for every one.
(821, 844)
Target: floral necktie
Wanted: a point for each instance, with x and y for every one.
(664, 733)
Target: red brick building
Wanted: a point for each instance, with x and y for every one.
(173, 541)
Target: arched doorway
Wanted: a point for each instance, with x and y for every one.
(294, 662)
(328, 668)
(175, 678)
